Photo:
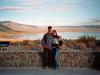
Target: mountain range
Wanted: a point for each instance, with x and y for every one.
(9, 26)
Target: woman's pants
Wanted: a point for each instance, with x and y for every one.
(56, 53)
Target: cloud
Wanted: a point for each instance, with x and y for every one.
(11, 8)
(36, 6)
(19, 9)
(34, 2)
(9, 0)
(60, 22)
(71, 22)
(95, 21)
(5, 0)
(60, 9)
(21, 5)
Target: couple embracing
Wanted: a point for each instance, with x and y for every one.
(51, 43)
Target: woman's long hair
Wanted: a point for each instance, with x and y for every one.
(56, 33)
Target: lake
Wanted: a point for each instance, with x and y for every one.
(65, 35)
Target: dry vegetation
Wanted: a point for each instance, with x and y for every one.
(84, 43)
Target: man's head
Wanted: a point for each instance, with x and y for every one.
(49, 29)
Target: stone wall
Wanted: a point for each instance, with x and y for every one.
(69, 59)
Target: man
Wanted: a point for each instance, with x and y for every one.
(47, 46)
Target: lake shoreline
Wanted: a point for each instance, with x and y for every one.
(65, 35)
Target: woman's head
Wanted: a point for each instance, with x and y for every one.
(54, 32)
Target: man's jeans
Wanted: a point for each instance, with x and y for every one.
(56, 54)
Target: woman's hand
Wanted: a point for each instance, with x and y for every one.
(60, 47)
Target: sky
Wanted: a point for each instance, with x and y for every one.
(51, 12)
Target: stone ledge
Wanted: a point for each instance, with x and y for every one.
(70, 59)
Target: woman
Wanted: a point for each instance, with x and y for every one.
(57, 43)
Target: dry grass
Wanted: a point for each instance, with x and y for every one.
(83, 43)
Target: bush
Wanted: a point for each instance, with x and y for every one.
(83, 43)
